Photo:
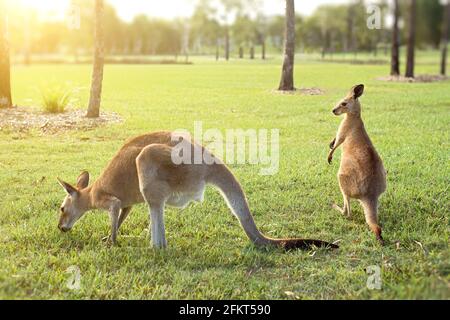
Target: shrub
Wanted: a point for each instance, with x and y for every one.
(55, 99)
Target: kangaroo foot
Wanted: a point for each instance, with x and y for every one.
(341, 210)
(380, 240)
(109, 242)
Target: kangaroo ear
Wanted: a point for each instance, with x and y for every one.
(67, 187)
(83, 180)
(358, 91)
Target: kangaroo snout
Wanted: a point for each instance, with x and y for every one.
(335, 111)
(63, 228)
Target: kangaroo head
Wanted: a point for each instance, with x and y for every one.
(76, 203)
(350, 104)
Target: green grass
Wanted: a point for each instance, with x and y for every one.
(209, 255)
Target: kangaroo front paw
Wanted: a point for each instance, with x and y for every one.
(332, 143)
(160, 245)
(330, 158)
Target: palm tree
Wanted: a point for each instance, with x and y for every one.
(5, 71)
(411, 39)
(395, 52)
(99, 59)
(287, 75)
(445, 31)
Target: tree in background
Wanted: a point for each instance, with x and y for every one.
(428, 30)
(344, 31)
(261, 33)
(360, 35)
(99, 59)
(244, 31)
(256, 25)
(287, 75)
(350, 43)
(325, 32)
(115, 37)
(185, 27)
(140, 30)
(80, 40)
(339, 28)
(230, 7)
(325, 29)
(205, 29)
(275, 31)
(309, 33)
(395, 50)
(5, 71)
(411, 39)
(378, 37)
(444, 41)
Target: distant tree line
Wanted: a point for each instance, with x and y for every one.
(238, 29)
(237, 24)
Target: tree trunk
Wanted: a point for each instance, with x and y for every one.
(395, 51)
(352, 30)
(241, 52)
(227, 43)
(186, 42)
(27, 44)
(217, 49)
(444, 44)
(252, 52)
(411, 40)
(349, 43)
(263, 53)
(287, 76)
(99, 59)
(5, 71)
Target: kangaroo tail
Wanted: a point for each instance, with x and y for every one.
(223, 179)
(370, 207)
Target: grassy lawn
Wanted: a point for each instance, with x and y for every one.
(209, 256)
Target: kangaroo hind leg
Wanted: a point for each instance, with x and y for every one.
(346, 210)
(152, 166)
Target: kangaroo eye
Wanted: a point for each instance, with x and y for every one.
(62, 209)
(344, 104)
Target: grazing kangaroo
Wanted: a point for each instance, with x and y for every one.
(361, 174)
(143, 171)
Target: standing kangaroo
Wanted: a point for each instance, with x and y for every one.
(144, 171)
(361, 174)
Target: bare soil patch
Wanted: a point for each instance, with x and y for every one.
(424, 78)
(302, 91)
(355, 61)
(21, 119)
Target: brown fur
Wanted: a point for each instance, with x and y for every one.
(361, 174)
(143, 171)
